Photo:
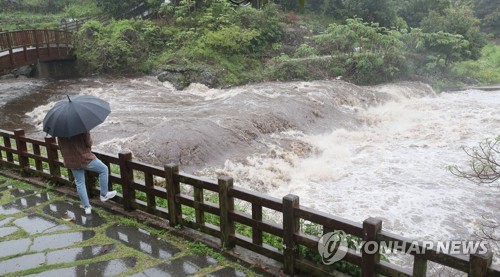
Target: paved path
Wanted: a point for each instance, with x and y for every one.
(45, 234)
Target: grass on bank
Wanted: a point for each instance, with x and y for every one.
(484, 71)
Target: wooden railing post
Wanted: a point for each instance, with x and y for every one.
(419, 266)
(479, 263)
(8, 145)
(173, 189)
(38, 163)
(90, 183)
(47, 41)
(52, 156)
(226, 203)
(56, 37)
(371, 227)
(35, 37)
(150, 198)
(257, 215)
(198, 200)
(25, 46)
(21, 149)
(291, 226)
(127, 178)
(9, 44)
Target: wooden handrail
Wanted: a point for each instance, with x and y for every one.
(168, 193)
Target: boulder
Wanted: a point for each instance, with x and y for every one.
(27, 70)
(176, 79)
(182, 77)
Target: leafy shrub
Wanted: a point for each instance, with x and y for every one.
(231, 40)
(119, 47)
(315, 69)
(304, 51)
(370, 54)
(266, 21)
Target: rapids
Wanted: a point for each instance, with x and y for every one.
(357, 152)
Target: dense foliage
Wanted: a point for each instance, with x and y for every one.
(363, 41)
(121, 46)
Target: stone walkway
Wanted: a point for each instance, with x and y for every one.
(44, 234)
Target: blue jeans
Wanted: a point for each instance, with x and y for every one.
(95, 166)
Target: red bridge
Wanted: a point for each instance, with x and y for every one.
(25, 47)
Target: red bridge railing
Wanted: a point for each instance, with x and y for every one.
(25, 47)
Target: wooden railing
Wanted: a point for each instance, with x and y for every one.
(25, 47)
(140, 188)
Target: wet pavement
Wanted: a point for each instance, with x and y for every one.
(43, 233)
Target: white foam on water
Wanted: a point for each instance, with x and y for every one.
(38, 114)
(395, 168)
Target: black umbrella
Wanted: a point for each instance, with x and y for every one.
(75, 115)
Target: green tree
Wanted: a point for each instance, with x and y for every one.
(370, 53)
(413, 11)
(335, 9)
(380, 11)
(459, 21)
(433, 53)
(266, 21)
(489, 13)
(287, 5)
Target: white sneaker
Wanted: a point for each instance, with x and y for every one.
(88, 210)
(108, 196)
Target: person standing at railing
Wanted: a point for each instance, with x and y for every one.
(78, 157)
(71, 121)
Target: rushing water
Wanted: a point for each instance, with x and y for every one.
(353, 151)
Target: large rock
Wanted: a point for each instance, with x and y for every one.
(176, 79)
(181, 77)
(27, 70)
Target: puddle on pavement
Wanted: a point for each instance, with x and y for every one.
(14, 247)
(227, 272)
(21, 192)
(105, 268)
(5, 231)
(24, 203)
(22, 263)
(182, 266)
(60, 256)
(9, 209)
(77, 254)
(141, 240)
(36, 224)
(72, 212)
(60, 240)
